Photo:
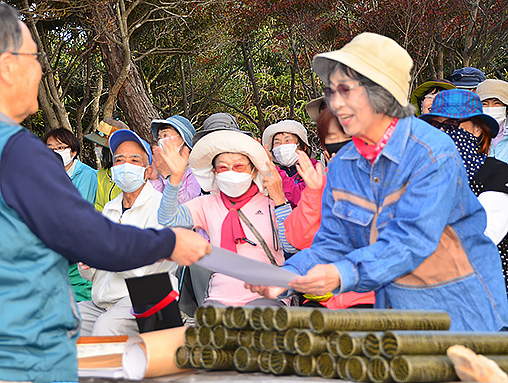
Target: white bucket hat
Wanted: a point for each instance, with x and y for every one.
(377, 57)
(493, 89)
(226, 141)
(284, 126)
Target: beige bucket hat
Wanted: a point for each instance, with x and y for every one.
(377, 57)
(284, 126)
(313, 108)
(493, 89)
(226, 141)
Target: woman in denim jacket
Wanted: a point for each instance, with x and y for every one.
(398, 216)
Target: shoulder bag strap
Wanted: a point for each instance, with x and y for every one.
(258, 236)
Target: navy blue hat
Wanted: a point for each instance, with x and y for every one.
(182, 125)
(467, 78)
(128, 135)
(460, 104)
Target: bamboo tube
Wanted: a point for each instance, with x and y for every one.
(212, 316)
(267, 340)
(435, 368)
(327, 365)
(279, 341)
(204, 336)
(256, 340)
(267, 319)
(255, 318)
(291, 317)
(240, 317)
(437, 342)
(305, 365)
(332, 342)
(195, 357)
(356, 369)
(378, 370)
(216, 359)
(224, 338)
(183, 357)
(264, 362)
(226, 317)
(325, 321)
(281, 364)
(198, 316)
(244, 338)
(341, 368)
(289, 340)
(246, 360)
(350, 343)
(309, 343)
(371, 345)
(190, 337)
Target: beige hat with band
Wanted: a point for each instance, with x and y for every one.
(377, 57)
(314, 107)
(493, 89)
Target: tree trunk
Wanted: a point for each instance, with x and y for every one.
(255, 91)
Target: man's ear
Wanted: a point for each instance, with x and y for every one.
(6, 68)
(148, 172)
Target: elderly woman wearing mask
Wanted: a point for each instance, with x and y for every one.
(398, 216)
(237, 216)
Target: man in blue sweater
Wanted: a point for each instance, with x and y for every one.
(45, 224)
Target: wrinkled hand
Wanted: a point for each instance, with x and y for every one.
(313, 177)
(273, 184)
(159, 162)
(190, 247)
(267, 292)
(320, 280)
(175, 159)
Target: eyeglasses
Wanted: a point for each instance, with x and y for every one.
(59, 147)
(445, 125)
(342, 89)
(238, 167)
(40, 56)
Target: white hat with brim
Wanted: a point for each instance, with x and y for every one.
(492, 88)
(377, 57)
(284, 126)
(226, 141)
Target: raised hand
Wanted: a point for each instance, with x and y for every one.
(175, 159)
(313, 177)
(273, 184)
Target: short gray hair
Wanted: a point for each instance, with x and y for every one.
(381, 100)
(11, 36)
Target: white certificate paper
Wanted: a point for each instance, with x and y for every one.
(248, 270)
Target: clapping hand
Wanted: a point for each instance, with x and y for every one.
(175, 159)
(313, 177)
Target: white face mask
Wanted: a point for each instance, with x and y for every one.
(496, 112)
(66, 156)
(233, 184)
(285, 154)
(128, 177)
(162, 140)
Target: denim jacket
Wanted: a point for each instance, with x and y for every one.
(409, 227)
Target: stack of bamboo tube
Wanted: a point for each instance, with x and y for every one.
(359, 345)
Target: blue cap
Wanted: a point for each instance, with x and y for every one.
(460, 104)
(182, 125)
(128, 135)
(467, 78)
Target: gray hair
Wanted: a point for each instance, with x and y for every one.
(11, 37)
(380, 99)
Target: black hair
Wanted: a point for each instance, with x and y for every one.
(65, 136)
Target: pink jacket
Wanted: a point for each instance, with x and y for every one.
(293, 186)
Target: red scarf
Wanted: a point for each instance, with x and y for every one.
(232, 231)
(371, 152)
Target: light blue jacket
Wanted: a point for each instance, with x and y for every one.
(85, 180)
(409, 227)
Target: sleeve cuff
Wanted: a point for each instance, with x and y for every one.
(348, 276)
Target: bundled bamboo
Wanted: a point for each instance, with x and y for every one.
(267, 319)
(309, 343)
(437, 342)
(291, 317)
(371, 345)
(289, 340)
(212, 316)
(264, 362)
(198, 316)
(341, 368)
(332, 342)
(226, 317)
(245, 338)
(240, 317)
(327, 365)
(256, 340)
(267, 340)
(325, 321)
(216, 359)
(378, 370)
(350, 343)
(246, 359)
(279, 341)
(305, 365)
(356, 369)
(183, 357)
(224, 338)
(190, 337)
(204, 336)
(195, 357)
(281, 364)
(255, 318)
